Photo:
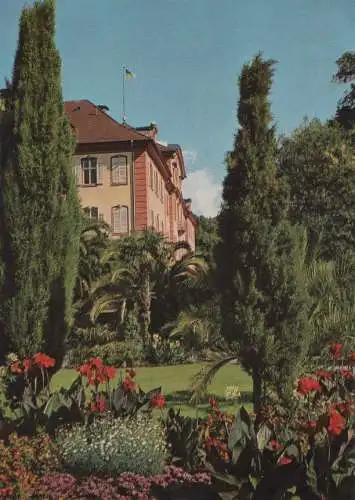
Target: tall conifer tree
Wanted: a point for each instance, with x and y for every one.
(40, 209)
(262, 305)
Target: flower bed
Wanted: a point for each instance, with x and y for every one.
(92, 441)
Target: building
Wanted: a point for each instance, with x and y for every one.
(126, 177)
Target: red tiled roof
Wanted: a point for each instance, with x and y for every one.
(91, 124)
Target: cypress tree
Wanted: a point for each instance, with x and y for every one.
(263, 308)
(39, 205)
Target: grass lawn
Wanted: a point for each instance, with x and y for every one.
(175, 382)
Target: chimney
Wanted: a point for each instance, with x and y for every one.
(188, 204)
(150, 130)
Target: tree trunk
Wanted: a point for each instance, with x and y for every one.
(145, 310)
(257, 390)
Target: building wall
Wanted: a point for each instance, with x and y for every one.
(140, 195)
(105, 196)
(158, 195)
(141, 190)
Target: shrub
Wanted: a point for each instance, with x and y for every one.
(117, 353)
(113, 446)
(122, 487)
(23, 459)
(165, 352)
(306, 450)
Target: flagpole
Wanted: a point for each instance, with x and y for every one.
(123, 95)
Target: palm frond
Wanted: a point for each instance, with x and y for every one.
(204, 377)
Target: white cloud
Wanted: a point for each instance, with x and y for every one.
(204, 192)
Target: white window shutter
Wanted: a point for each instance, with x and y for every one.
(122, 171)
(124, 219)
(99, 171)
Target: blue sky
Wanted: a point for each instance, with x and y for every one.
(187, 55)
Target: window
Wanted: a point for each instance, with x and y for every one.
(157, 223)
(119, 170)
(152, 218)
(151, 174)
(92, 213)
(120, 219)
(162, 227)
(89, 168)
(161, 191)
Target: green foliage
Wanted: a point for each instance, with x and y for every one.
(346, 106)
(207, 238)
(118, 353)
(183, 438)
(113, 447)
(263, 304)
(40, 210)
(318, 163)
(93, 242)
(165, 352)
(306, 451)
(145, 277)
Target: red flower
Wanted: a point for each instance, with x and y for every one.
(84, 369)
(26, 365)
(110, 372)
(43, 361)
(101, 405)
(158, 401)
(93, 407)
(131, 372)
(346, 373)
(336, 422)
(274, 445)
(15, 367)
(335, 350)
(307, 385)
(129, 385)
(96, 363)
(321, 373)
(285, 460)
(352, 357)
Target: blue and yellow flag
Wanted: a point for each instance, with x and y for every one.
(129, 74)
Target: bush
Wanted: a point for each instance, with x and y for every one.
(165, 352)
(127, 485)
(112, 447)
(23, 459)
(118, 353)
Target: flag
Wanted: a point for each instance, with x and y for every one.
(129, 74)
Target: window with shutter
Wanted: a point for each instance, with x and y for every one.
(120, 219)
(89, 168)
(119, 170)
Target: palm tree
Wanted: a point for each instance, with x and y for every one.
(143, 266)
(93, 242)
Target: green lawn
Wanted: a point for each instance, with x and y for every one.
(175, 382)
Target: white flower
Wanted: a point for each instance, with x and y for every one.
(232, 393)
